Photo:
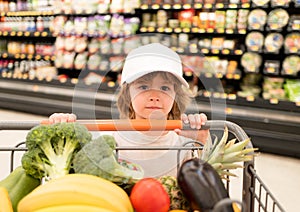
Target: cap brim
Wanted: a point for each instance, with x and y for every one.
(140, 74)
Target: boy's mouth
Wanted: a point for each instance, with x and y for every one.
(154, 108)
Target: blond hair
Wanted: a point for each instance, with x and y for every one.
(181, 100)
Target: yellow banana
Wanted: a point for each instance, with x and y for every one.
(73, 208)
(77, 189)
(95, 184)
(5, 203)
(65, 197)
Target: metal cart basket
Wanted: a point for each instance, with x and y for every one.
(255, 195)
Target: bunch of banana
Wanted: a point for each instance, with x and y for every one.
(5, 202)
(76, 192)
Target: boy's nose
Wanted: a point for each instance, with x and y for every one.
(154, 99)
(154, 96)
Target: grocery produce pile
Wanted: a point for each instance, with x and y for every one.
(65, 169)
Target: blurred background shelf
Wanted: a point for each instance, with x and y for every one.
(273, 129)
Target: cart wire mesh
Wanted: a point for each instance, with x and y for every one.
(256, 197)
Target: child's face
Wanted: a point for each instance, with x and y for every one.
(152, 98)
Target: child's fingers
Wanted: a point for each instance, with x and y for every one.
(203, 118)
(62, 117)
(193, 120)
(184, 118)
(196, 120)
(72, 118)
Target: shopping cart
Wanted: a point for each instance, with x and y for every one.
(255, 195)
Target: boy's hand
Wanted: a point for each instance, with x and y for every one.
(196, 121)
(62, 117)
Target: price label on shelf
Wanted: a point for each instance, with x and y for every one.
(242, 31)
(246, 5)
(229, 31)
(205, 51)
(232, 6)
(274, 101)
(225, 51)
(166, 6)
(219, 75)
(151, 29)
(208, 75)
(207, 94)
(236, 76)
(215, 51)
(155, 6)
(250, 98)
(44, 34)
(177, 30)
(195, 30)
(231, 96)
(198, 6)
(168, 29)
(229, 76)
(186, 30)
(219, 5)
(220, 30)
(177, 6)
(143, 29)
(207, 6)
(160, 29)
(210, 30)
(36, 34)
(144, 6)
(187, 6)
(228, 110)
(270, 70)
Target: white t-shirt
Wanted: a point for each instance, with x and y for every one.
(155, 163)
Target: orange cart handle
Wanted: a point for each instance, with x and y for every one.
(114, 125)
(129, 124)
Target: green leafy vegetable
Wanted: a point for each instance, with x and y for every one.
(98, 158)
(292, 88)
(51, 149)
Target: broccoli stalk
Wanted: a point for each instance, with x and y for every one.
(51, 149)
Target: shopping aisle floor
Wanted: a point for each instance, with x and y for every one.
(280, 174)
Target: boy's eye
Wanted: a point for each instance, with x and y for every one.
(165, 88)
(143, 87)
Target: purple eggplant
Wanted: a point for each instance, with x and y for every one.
(202, 185)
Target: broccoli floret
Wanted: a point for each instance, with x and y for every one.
(98, 158)
(51, 149)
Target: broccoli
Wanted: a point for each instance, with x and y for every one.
(51, 149)
(98, 158)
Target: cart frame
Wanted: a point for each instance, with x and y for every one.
(255, 194)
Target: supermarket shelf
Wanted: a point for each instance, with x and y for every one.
(271, 130)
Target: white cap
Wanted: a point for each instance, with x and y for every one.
(150, 58)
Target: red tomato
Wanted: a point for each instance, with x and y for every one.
(149, 195)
